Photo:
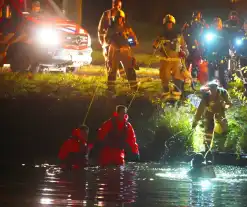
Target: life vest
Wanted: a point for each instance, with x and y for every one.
(115, 138)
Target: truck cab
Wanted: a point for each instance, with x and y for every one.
(37, 36)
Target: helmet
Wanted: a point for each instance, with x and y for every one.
(218, 21)
(117, 3)
(198, 160)
(36, 3)
(120, 13)
(233, 15)
(213, 83)
(195, 14)
(169, 18)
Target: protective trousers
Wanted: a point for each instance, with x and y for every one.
(170, 69)
(210, 129)
(123, 56)
(106, 57)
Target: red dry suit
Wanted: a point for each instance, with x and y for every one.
(74, 151)
(115, 136)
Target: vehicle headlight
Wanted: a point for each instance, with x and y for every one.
(89, 41)
(48, 36)
(239, 41)
(210, 37)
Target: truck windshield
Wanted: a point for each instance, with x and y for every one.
(45, 8)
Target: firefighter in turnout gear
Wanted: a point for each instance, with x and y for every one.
(213, 105)
(105, 23)
(192, 32)
(120, 39)
(172, 49)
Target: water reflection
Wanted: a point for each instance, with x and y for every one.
(94, 186)
(133, 185)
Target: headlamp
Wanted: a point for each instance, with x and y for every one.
(131, 41)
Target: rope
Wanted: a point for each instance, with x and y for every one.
(92, 100)
(134, 96)
(210, 147)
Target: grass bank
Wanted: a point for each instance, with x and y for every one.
(43, 108)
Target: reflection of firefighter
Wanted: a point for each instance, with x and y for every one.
(116, 136)
(105, 23)
(172, 47)
(192, 33)
(213, 105)
(120, 37)
(74, 151)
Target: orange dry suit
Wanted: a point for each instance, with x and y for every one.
(114, 138)
(74, 151)
(172, 48)
(214, 113)
(120, 53)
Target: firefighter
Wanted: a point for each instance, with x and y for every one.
(213, 105)
(74, 151)
(36, 9)
(216, 48)
(233, 23)
(116, 137)
(105, 23)
(120, 37)
(172, 48)
(192, 33)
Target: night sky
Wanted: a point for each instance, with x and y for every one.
(152, 11)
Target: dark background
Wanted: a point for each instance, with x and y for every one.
(152, 11)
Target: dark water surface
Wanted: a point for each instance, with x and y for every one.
(132, 185)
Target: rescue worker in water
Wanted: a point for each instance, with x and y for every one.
(116, 137)
(213, 105)
(74, 151)
(173, 49)
(201, 169)
(120, 38)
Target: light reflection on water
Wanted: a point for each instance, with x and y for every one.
(133, 185)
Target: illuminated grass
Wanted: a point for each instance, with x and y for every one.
(178, 119)
(69, 85)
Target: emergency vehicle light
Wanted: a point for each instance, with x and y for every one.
(209, 37)
(239, 41)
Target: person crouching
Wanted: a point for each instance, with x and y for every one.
(74, 151)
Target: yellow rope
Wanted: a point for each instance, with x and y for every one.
(210, 147)
(92, 100)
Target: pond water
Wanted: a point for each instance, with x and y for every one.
(135, 184)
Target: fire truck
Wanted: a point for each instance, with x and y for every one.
(38, 36)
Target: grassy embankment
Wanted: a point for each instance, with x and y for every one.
(177, 120)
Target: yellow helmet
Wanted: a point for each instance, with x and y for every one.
(169, 18)
(120, 13)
